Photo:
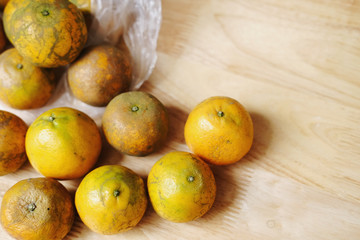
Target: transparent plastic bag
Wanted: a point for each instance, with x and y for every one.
(137, 22)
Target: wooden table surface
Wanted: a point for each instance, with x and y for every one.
(295, 65)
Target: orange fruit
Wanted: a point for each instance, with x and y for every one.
(135, 123)
(12, 142)
(181, 187)
(57, 34)
(37, 208)
(219, 130)
(99, 74)
(63, 143)
(111, 199)
(23, 85)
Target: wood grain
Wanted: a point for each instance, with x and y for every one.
(295, 65)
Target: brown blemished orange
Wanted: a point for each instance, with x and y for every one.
(37, 208)
(63, 143)
(12, 142)
(49, 33)
(135, 123)
(111, 199)
(99, 74)
(85, 7)
(23, 85)
(219, 130)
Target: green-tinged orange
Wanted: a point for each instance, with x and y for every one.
(12, 142)
(219, 130)
(99, 74)
(63, 143)
(23, 85)
(111, 199)
(47, 33)
(181, 187)
(135, 123)
(36, 209)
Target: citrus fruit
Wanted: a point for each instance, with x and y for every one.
(23, 85)
(219, 130)
(47, 33)
(99, 74)
(181, 187)
(63, 143)
(37, 208)
(111, 199)
(12, 142)
(135, 123)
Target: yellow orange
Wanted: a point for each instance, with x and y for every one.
(23, 85)
(111, 199)
(63, 143)
(219, 130)
(181, 187)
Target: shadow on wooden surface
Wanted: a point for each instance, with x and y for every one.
(108, 155)
(263, 135)
(177, 119)
(76, 229)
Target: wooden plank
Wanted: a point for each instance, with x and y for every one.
(295, 65)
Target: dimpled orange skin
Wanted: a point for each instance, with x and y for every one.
(47, 33)
(37, 208)
(181, 187)
(99, 74)
(135, 123)
(111, 199)
(12, 142)
(63, 143)
(85, 7)
(23, 85)
(219, 130)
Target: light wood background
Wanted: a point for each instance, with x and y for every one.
(295, 65)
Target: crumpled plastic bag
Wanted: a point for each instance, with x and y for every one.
(138, 23)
